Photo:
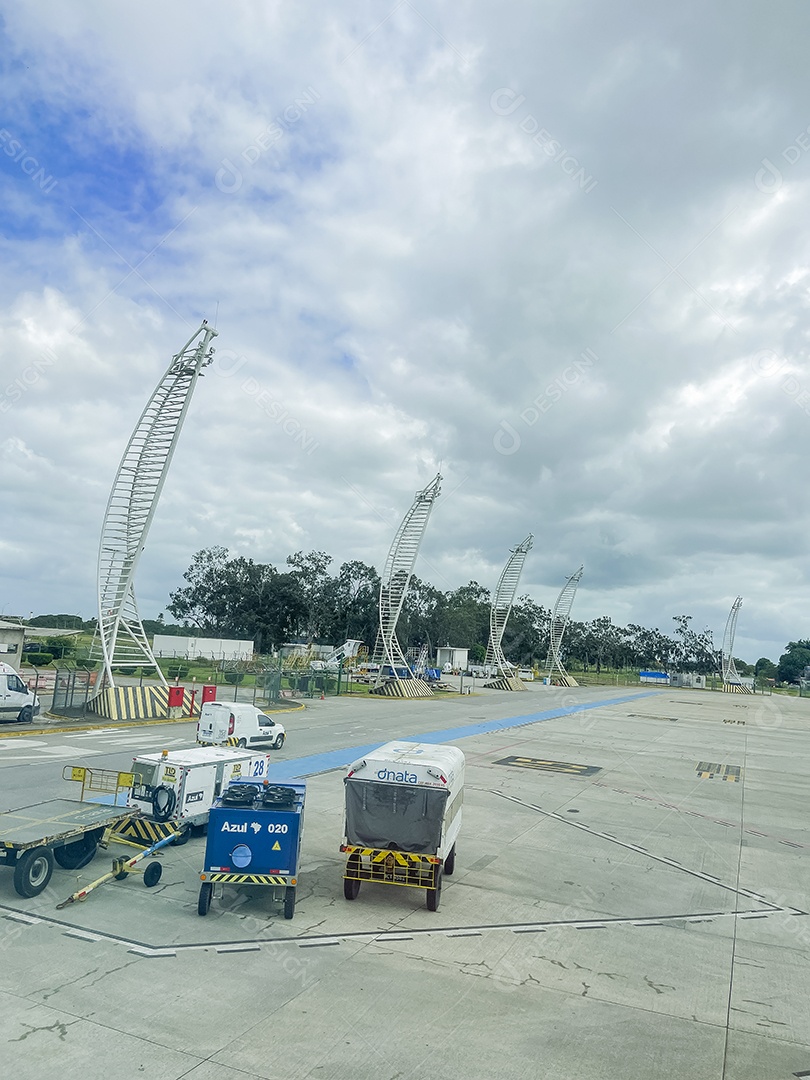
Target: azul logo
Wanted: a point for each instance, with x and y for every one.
(228, 826)
(399, 777)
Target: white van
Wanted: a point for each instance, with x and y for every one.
(238, 724)
(16, 700)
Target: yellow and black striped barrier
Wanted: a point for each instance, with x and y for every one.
(137, 828)
(131, 703)
(248, 879)
(391, 867)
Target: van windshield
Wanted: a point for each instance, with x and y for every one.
(394, 816)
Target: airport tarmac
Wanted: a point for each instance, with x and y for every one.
(629, 901)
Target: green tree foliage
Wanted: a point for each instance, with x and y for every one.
(793, 661)
(57, 622)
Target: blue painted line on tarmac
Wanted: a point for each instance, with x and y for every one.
(336, 759)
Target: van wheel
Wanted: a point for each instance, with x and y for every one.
(26, 715)
(277, 745)
(242, 743)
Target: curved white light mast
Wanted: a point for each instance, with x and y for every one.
(559, 621)
(397, 574)
(731, 679)
(502, 601)
(132, 504)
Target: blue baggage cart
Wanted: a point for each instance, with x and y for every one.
(254, 838)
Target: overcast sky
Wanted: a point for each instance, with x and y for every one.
(557, 249)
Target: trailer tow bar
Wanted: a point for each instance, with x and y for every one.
(121, 868)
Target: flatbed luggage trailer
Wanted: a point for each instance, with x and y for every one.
(60, 830)
(254, 838)
(402, 817)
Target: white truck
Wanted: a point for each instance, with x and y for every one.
(236, 723)
(17, 703)
(402, 817)
(180, 786)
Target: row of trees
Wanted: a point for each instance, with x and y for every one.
(235, 597)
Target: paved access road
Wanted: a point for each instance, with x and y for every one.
(636, 910)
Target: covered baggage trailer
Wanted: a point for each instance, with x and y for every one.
(402, 817)
(60, 830)
(254, 838)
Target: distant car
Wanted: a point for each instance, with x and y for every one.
(236, 723)
(17, 703)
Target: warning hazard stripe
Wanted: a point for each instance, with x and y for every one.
(147, 830)
(379, 855)
(248, 879)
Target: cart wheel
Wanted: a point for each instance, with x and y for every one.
(121, 875)
(351, 886)
(32, 871)
(76, 855)
(450, 861)
(183, 835)
(152, 874)
(289, 902)
(204, 901)
(434, 895)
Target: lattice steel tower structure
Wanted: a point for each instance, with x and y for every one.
(396, 578)
(559, 621)
(131, 508)
(502, 601)
(732, 683)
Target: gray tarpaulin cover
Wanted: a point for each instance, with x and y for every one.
(395, 816)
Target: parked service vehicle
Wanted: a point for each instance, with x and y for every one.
(402, 817)
(238, 724)
(254, 838)
(17, 703)
(181, 786)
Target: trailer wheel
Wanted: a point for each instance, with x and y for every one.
(351, 886)
(450, 861)
(32, 871)
(183, 835)
(434, 895)
(152, 874)
(76, 855)
(289, 902)
(204, 900)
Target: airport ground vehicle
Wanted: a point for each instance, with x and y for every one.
(181, 786)
(238, 724)
(60, 830)
(254, 838)
(16, 700)
(402, 817)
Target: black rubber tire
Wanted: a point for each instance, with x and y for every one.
(152, 874)
(76, 855)
(450, 861)
(121, 875)
(351, 886)
(183, 835)
(277, 745)
(32, 871)
(289, 902)
(163, 812)
(242, 744)
(26, 715)
(434, 895)
(204, 899)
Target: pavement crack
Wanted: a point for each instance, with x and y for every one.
(657, 987)
(57, 1026)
